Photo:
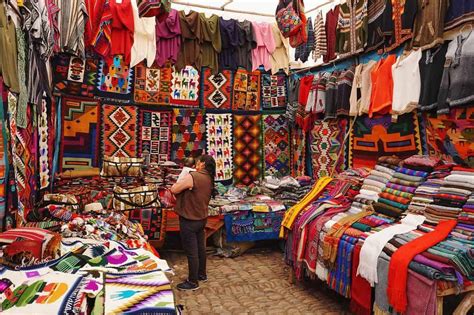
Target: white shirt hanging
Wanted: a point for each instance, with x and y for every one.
(144, 38)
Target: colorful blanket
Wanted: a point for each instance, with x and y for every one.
(219, 143)
(188, 134)
(73, 75)
(44, 128)
(246, 90)
(152, 85)
(153, 221)
(115, 81)
(185, 87)
(374, 137)
(248, 226)
(274, 91)
(451, 136)
(155, 135)
(216, 89)
(119, 130)
(327, 146)
(80, 133)
(247, 149)
(298, 152)
(276, 143)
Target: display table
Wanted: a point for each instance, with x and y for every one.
(214, 223)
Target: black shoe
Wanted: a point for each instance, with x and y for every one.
(187, 286)
(202, 278)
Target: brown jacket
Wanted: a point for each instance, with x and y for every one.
(193, 204)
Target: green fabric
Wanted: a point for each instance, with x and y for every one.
(398, 193)
(393, 203)
(361, 227)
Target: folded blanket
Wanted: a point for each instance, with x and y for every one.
(417, 179)
(393, 203)
(411, 172)
(399, 181)
(361, 226)
(387, 210)
(408, 189)
(398, 199)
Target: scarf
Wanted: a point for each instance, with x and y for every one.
(361, 292)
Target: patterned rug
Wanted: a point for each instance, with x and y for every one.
(44, 143)
(248, 226)
(185, 87)
(155, 136)
(219, 144)
(152, 85)
(374, 137)
(247, 149)
(119, 130)
(153, 221)
(188, 134)
(80, 134)
(276, 143)
(74, 76)
(298, 152)
(274, 89)
(115, 81)
(327, 146)
(451, 137)
(246, 90)
(216, 89)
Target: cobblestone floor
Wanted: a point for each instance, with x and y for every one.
(254, 283)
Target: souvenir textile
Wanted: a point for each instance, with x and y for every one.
(153, 221)
(372, 138)
(298, 152)
(66, 200)
(115, 80)
(4, 151)
(274, 89)
(249, 226)
(247, 149)
(246, 90)
(136, 198)
(276, 143)
(187, 134)
(150, 8)
(121, 167)
(185, 87)
(80, 133)
(288, 17)
(119, 130)
(216, 89)
(219, 144)
(152, 84)
(154, 135)
(74, 76)
(44, 143)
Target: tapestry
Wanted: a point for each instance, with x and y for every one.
(451, 136)
(188, 134)
(155, 128)
(80, 134)
(73, 75)
(248, 226)
(216, 89)
(219, 144)
(371, 138)
(115, 81)
(247, 149)
(153, 221)
(4, 156)
(276, 143)
(185, 87)
(246, 90)
(119, 131)
(43, 132)
(134, 293)
(298, 152)
(152, 85)
(274, 89)
(327, 147)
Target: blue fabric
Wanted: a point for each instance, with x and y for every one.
(248, 226)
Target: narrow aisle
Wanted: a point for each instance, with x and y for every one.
(255, 283)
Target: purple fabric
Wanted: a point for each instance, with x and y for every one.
(410, 190)
(168, 39)
(465, 227)
(442, 267)
(228, 57)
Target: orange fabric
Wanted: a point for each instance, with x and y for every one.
(382, 86)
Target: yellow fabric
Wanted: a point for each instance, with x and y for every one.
(293, 212)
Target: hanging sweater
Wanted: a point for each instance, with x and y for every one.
(382, 86)
(265, 46)
(168, 39)
(431, 72)
(330, 27)
(320, 43)
(247, 42)
(361, 89)
(280, 58)
(123, 29)
(144, 38)
(398, 20)
(429, 23)
(375, 15)
(351, 33)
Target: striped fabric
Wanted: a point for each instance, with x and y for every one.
(72, 17)
(33, 234)
(98, 27)
(320, 42)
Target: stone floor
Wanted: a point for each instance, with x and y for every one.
(254, 283)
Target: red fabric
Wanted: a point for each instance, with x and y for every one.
(463, 169)
(331, 24)
(361, 292)
(398, 268)
(305, 87)
(122, 30)
(97, 30)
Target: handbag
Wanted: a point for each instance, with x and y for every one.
(136, 198)
(150, 8)
(69, 202)
(121, 167)
(288, 17)
(167, 198)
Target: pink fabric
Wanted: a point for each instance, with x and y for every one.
(168, 39)
(265, 45)
(421, 295)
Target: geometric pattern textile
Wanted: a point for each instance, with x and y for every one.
(119, 131)
(247, 149)
(153, 221)
(372, 138)
(274, 91)
(219, 143)
(188, 134)
(276, 142)
(152, 85)
(216, 89)
(115, 81)
(185, 87)
(74, 76)
(451, 136)
(43, 143)
(80, 134)
(327, 146)
(246, 90)
(298, 152)
(155, 135)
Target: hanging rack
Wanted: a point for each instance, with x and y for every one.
(319, 6)
(221, 8)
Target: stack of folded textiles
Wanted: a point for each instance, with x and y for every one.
(467, 214)
(376, 182)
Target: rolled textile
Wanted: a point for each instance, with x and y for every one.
(408, 189)
(392, 197)
(384, 169)
(377, 178)
(361, 227)
(442, 267)
(387, 210)
(393, 203)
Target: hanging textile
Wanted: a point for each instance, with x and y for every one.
(153, 221)
(185, 87)
(155, 135)
(274, 91)
(44, 143)
(3, 164)
(115, 80)
(247, 149)
(216, 89)
(152, 84)
(276, 143)
(298, 152)
(119, 130)
(219, 144)
(246, 90)
(188, 134)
